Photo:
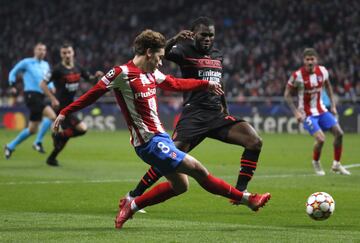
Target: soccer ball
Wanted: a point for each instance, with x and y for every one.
(320, 206)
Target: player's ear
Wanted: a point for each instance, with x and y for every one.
(148, 53)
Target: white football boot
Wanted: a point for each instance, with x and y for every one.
(318, 169)
(339, 169)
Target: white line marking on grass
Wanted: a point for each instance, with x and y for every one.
(351, 166)
(128, 180)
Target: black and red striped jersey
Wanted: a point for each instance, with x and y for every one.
(66, 81)
(194, 64)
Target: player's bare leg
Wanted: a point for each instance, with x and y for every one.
(319, 143)
(178, 184)
(338, 137)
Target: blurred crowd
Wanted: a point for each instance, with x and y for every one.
(262, 40)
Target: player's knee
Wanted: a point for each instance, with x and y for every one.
(320, 139)
(82, 132)
(255, 143)
(181, 187)
(339, 134)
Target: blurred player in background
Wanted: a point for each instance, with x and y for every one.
(134, 86)
(308, 82)
(205, 115)
(66, 77)
(34, 71)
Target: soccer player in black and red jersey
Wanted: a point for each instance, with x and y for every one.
(66, 77)
(205, 115)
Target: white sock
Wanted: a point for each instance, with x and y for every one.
(245, 197)
(134, 207)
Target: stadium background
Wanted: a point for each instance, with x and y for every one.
(261, 48)
(262, 41)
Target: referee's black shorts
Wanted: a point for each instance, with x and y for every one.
(196, 123)
(35, 102)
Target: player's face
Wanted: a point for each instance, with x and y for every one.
(309, 63)
(204, 37)
(155, 59)
(40, 51)
(67, 54)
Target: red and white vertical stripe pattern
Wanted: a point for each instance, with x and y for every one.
(135, 92)
(309, 87)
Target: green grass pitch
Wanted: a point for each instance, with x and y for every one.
(78, 201)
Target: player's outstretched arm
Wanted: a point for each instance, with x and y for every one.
(183, 84)
(86, 99)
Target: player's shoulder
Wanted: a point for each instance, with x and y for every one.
(114, 73)
(216, 53)
(57, 67)
(27, 60)
(78, 66)
(323, 69)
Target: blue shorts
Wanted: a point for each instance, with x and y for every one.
(324, 121)
(161, 152)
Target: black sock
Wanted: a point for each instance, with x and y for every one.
(247, 168)
(150, 177)
(58, 148)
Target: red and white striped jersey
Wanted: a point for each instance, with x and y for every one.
(309, 87)
(135, 93)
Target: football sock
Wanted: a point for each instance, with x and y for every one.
(158, 194)
(58, 148)
(316, 155)
(24, 134)
(337, 152)
(219, 187)
(150, 177)
(71, 132)
(44, 127)
(248, 165)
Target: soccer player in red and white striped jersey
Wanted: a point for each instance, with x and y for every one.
(308, 82)
(134, 85)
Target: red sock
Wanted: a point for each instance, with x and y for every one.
(337, 152)
(158, 194)
(220, 187)
(316, 155)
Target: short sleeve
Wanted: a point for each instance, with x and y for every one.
(111, 75)
(325, 72)
(292, 80)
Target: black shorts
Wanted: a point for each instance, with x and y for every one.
(35, 102)
(196, 124)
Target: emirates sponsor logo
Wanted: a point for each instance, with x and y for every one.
(146, 94)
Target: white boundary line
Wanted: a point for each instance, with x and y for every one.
(127, 180)
(351, 166)
(135, 180)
